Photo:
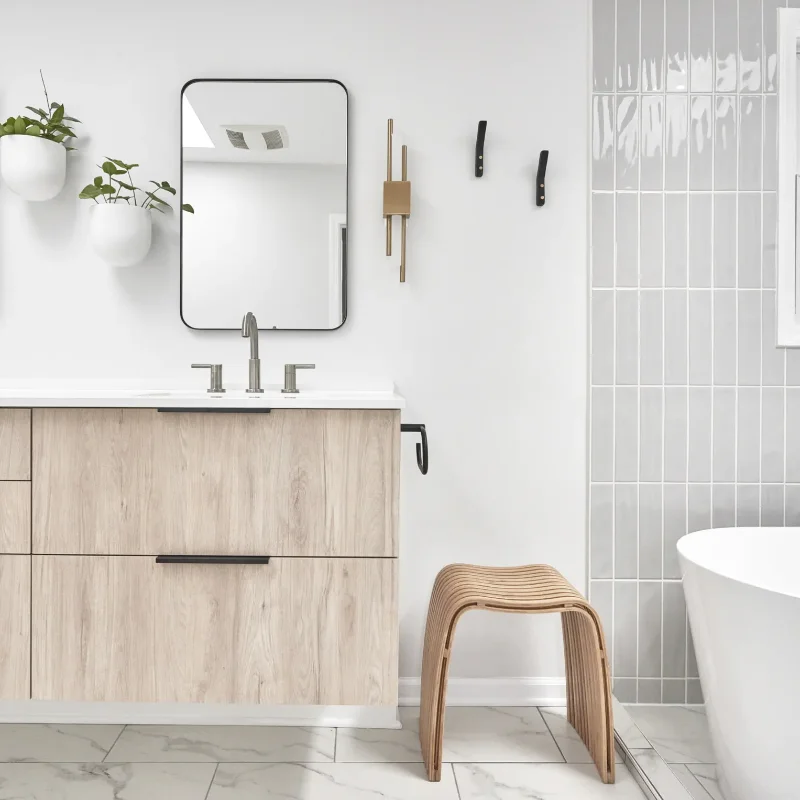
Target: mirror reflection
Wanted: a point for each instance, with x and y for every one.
(265, 167)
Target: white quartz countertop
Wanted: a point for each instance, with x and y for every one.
(231, 400)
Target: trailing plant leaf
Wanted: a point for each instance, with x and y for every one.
(110, 169)
(126, 185)
(156, 199)
(89, 192)
(187, 207)
(98, 181)
(48, 124)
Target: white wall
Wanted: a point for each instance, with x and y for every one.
(259, 240)
(487, 339)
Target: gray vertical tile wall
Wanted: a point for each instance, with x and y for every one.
(691, 414)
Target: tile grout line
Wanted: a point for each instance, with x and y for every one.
(114, 744)
(211, 782)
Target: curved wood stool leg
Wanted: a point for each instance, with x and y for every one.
(439, 631)
(589, 708)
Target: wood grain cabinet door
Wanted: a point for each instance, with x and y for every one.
(15, 444)
(297, 630)
(15, 601)
(139, 482)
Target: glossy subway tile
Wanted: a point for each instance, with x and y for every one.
(675, 239)
(652, 143)
(726, 37)
(601, 520)
(651, 253)
(674, 527)
(677, 45)
(701, 136)
(603, 115)
(627, 240)
(627, 142)
(702, 39)
(603, 25)
(650, 608)
(701, 232)
(602, 240)
(676, 148)
(626, 529)
(751, 119)
(628, 45)
(650, 530)
(652, 12)
(750, 45)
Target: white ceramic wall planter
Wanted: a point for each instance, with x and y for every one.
(120, 234)
(32, 167)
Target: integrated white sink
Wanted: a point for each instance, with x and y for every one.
(232, 399)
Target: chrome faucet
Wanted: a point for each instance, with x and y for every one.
(250, 330)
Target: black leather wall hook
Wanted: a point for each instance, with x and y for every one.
(479, 149)
(540, 173)
(422, 449)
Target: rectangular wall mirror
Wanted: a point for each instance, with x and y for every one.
(264, 165)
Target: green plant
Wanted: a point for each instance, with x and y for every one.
(102, 186)
(51, 123)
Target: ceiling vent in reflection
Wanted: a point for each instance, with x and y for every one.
(257, 137)
(236, 138)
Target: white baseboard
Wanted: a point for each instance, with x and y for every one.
(55, 712)
(493, 691)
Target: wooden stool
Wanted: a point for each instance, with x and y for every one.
(535, 589)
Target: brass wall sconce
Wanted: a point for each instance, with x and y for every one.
(396, 200)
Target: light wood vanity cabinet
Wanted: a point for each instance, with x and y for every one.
(308, 631)
(90, 616)
(289, 483)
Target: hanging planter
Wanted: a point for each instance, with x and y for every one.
(33, 153)
(121, 226)
(32, 167)
(120, 234)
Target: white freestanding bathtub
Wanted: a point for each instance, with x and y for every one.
(742, 589)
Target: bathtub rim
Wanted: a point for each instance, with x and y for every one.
(689, 543)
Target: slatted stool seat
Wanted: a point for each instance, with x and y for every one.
(535, 589)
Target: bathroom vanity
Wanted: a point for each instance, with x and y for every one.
(179, 547)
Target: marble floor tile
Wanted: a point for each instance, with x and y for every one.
(690, 782)
(384, 746)
(539, 781)
(569, 743)
(105, 781)
(470, 734)
(660, 775)
(679, 733)
(706, 775)
(626, 728)
(330, 782)
(56, 742)
(513, 734)
(244, 743)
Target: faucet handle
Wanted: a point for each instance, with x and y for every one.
(290, 377)
(216, 377)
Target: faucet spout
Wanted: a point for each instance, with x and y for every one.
(250, 331)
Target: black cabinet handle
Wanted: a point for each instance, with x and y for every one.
(214, 410)
(212, 559)
(422, 449)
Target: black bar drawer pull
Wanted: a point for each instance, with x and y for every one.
(212, 559)
(214, 410)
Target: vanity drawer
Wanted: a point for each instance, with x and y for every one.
(139, 482)
(15, 517)
(15, 444)
(296, 630)
(15, 627)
